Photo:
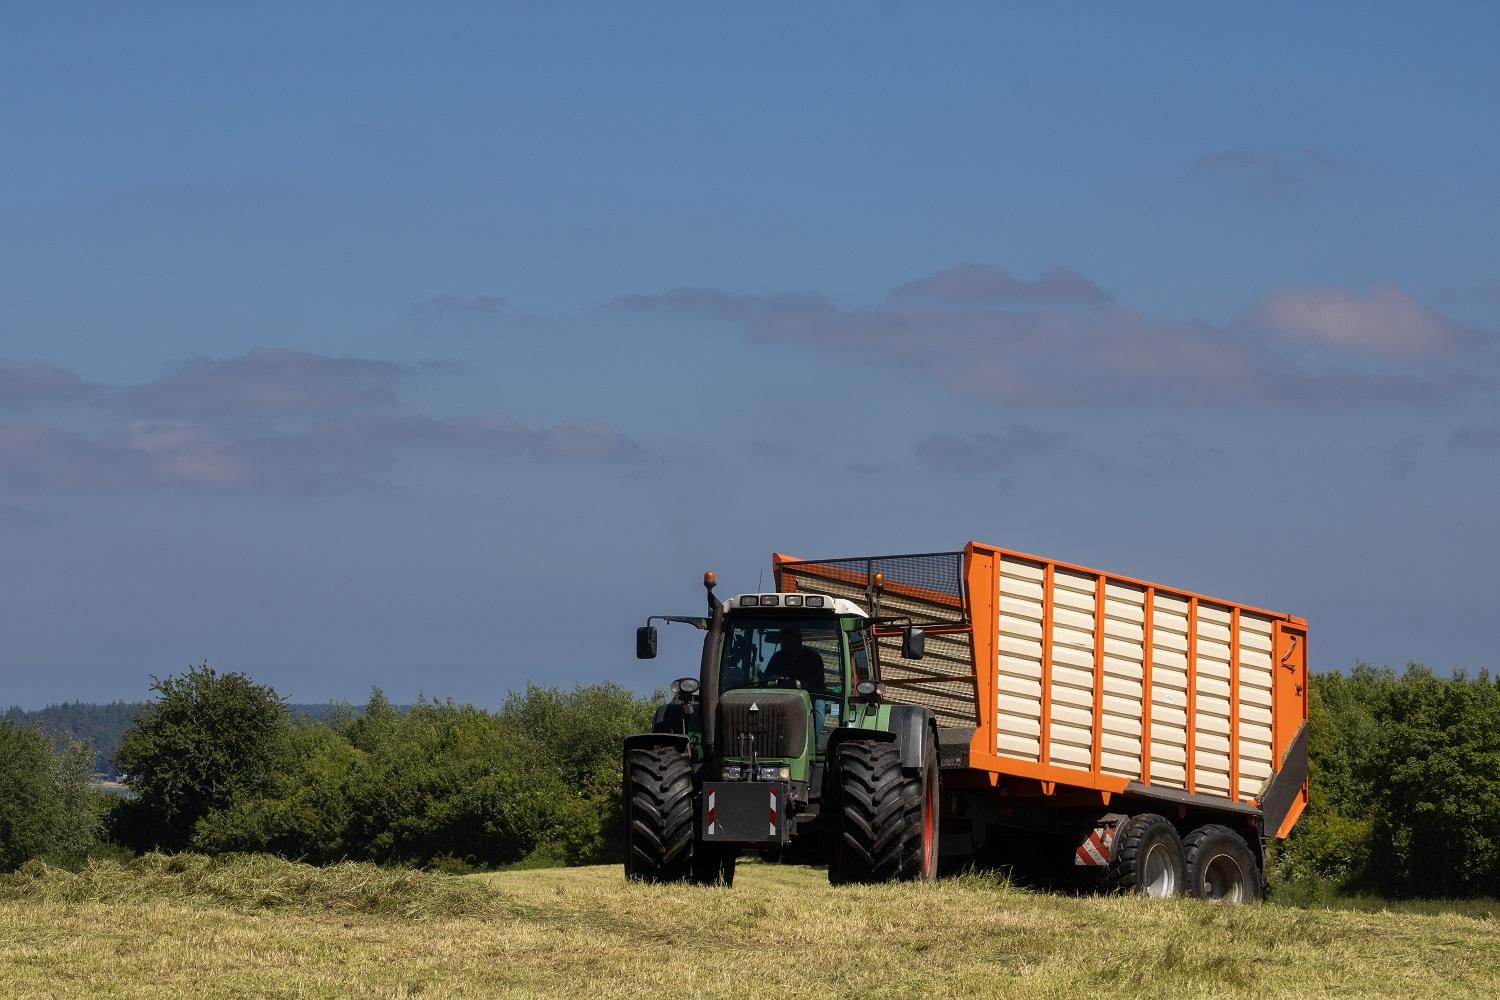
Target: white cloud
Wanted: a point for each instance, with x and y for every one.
(1383, 321)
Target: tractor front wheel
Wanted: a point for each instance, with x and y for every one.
(872, 817)
(658, 814)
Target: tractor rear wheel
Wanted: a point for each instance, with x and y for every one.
(1148, 857)
(658, 814)
(872, 818)
(920, 851)
(1221, 866)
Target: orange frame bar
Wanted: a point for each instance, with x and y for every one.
(1191, 750)
(1044, 746)
(982, 574)
(1148, 640)
(1098, 740)
(1234, 704)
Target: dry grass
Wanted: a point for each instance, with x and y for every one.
(239, 930)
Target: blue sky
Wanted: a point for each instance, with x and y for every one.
(435, 348)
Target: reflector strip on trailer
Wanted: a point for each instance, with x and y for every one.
(711, 813)
(773, 812)
(1095, 849)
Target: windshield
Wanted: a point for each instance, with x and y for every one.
(801, 653)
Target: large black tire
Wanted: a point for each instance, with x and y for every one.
(1221, 866)
(919, 860)
(1148, 858)
(872, 817)
(658, 814)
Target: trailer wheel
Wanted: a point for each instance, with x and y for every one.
(1221, 866)
(920, 860)
(1148, 857)
(871, 815)
(658, 814)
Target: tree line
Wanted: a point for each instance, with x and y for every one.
(1405, 787)
(218, 763)
(102, 726)
(1405, 793)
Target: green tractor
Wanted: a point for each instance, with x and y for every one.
(783, 746)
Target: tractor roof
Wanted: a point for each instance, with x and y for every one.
(794, 603)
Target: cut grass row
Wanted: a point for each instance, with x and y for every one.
(261, 927)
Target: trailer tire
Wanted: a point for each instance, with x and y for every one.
(922, 799)
(1148, 858)
(872, 819)
(1220, 866)
(658, 814)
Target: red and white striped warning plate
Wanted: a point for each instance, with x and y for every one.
(1095, 849)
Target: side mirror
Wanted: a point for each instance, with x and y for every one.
(645, 642)
(913, 643)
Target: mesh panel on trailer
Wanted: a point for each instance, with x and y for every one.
(928, 588)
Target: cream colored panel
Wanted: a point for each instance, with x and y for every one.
(1257, 674)
(1019, 703)
(1169, 690)
(1211, 697)
(1071, 738)
(1121, 712)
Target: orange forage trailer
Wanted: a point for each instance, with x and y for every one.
(1087, 719)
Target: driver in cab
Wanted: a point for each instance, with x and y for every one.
(795, 663)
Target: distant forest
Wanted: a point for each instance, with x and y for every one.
(103, 726)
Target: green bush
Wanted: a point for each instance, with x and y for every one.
(208, 740)
(47, 808)
(445, 785)
(1405, 788)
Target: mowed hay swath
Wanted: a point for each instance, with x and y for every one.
(780, 931)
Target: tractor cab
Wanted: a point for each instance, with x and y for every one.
(810, 656)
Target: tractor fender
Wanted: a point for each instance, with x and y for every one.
(642, 741)
(909, 729)
(669, 718)
(846, 733)
(916, 731)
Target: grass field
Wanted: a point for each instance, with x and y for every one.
(258, 927)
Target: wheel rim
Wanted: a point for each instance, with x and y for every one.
(1223, 880)
(1158, 874)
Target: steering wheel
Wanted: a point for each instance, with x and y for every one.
(779, 681)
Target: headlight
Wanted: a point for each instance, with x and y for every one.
(870, 689)
(763, 772)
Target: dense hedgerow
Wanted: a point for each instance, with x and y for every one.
(47, 809)
(1405, 789)
(442, 784)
